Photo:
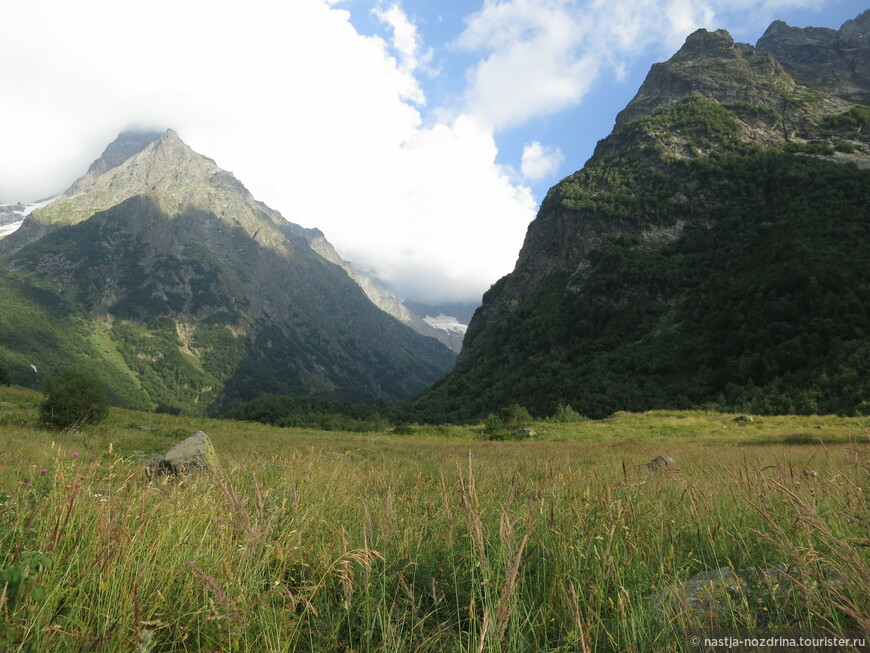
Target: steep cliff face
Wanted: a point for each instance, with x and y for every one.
(712, 96)
(196, 294)
(837, 60)
(709, 151)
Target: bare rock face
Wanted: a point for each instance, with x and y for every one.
(128, 144)
(710, 63)
(190, 457)
(836, 59)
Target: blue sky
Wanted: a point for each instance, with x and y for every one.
(576, 128)
(419, 136)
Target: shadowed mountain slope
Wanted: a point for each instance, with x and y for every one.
(712, 252)
(159, 272)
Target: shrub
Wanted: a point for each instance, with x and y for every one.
(5, 379)
(514, 417)
(565, 414)
(509, 419)
(73, 399)
(492, 426)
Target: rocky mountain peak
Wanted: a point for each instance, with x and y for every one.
(177, 178)
(703, 44)
(128, 143)
(838, 60)
(713, 96)
(158, 247)
(712, 64)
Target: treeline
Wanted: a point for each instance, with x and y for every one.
(762, 304)
(315, 413)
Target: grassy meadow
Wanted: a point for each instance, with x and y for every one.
(437, 540)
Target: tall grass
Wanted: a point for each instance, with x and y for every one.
(309, 542)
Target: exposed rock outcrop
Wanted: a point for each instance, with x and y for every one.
(838, 60)
(191, 457)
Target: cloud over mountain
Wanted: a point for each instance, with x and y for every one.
(335, 128)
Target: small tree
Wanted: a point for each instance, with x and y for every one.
(514, 416)
(73, 399)
(564, 413)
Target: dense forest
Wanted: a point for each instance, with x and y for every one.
(760, 304)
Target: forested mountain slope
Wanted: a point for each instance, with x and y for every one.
(713, 251)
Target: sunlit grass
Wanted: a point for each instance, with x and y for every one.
(436, 541)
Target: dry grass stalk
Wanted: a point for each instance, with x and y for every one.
(503, 611)
(468, 502)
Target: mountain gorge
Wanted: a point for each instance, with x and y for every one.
(159, 273)
(712, 252)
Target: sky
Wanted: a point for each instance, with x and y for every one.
(419, 136)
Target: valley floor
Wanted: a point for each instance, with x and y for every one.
(435, 541)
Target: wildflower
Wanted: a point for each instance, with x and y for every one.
(29, 485)
(92, 458)
(75, 454)
(43, 472)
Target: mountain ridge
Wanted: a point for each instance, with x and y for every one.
(600, 294)
(197, 294)
(117, 173)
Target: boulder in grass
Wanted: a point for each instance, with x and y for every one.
(744, 419)
(190, 457)
(525, 434)
(660, 463)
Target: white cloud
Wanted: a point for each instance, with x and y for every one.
(314, 118)
(542, 56)
(539, 162)
(325, 124)
(532, 66)
(462, 214)
(406, 39)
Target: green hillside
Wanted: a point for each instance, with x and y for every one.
(184, 313)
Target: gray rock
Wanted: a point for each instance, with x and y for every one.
(822, 56)
(660, 463)
(190, 457)
(744, 418)
(525, 434)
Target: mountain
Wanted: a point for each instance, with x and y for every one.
(383, 297)
(162, 275)
(12, 215)
(838, 60)
(712, 252)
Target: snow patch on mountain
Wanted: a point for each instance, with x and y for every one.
(12, 215)
(446, 323)
(7, 229)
